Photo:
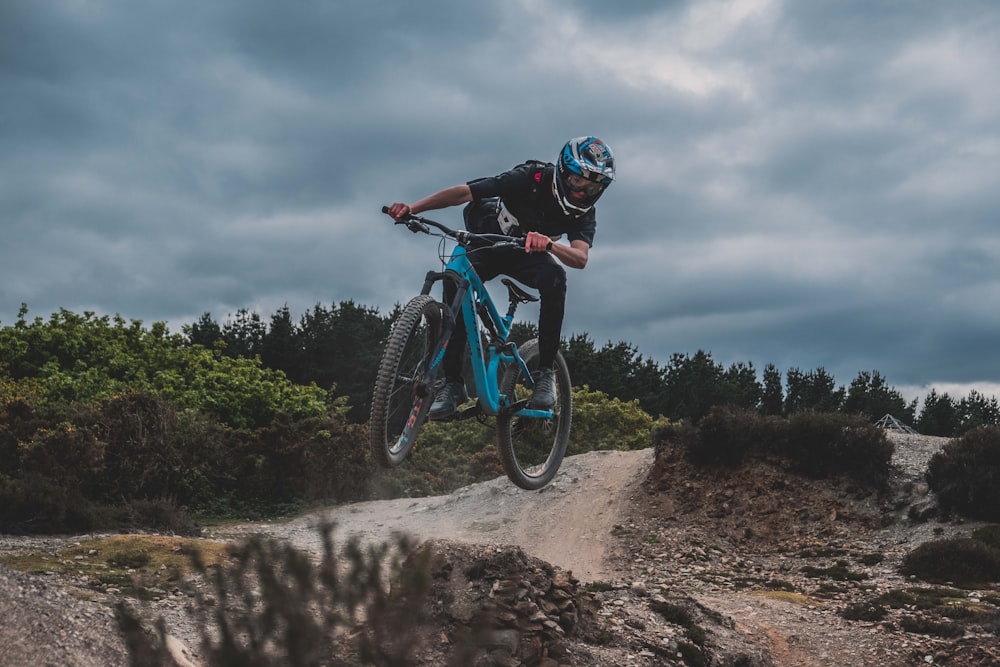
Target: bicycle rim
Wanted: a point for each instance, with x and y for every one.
(532, 449)
(402, 395)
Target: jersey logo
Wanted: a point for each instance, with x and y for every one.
(505, 218)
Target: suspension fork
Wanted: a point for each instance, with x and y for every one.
(448, 320)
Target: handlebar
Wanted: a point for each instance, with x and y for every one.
(415, 224)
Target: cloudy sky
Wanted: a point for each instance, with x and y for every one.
(809, 184)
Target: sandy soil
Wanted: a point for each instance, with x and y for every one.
(568, 523)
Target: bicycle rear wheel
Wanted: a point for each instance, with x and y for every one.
(403, 395)
(532, 449)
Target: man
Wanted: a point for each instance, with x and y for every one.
(543, 202)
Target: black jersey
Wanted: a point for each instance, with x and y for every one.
(527, 202)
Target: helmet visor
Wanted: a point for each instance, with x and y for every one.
(578, 183)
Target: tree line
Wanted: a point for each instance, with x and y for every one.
(246, 369)
(339, 347)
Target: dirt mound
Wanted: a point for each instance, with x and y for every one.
(798, 563)
(499, 606)
(757, 507)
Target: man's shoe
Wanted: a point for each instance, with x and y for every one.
(449, 396)
(544, 395)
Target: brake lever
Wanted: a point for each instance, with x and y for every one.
(412, 222)
(415, 226)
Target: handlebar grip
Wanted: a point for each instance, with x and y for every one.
(385, 209)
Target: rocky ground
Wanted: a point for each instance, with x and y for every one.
(622, 561)
(783, 561)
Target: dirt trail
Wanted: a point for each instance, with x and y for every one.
(798, 635)
(567, 523)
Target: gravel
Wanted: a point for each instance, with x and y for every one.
(42, 624)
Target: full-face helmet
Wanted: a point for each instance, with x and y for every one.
(586, 167)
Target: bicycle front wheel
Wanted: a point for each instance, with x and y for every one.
(403, 395)
(532, 449)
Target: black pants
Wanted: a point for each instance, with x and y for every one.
(538, 270)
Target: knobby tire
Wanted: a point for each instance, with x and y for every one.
(403, 395)
(531, 450)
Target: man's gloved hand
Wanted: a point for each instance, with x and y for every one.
(535, 242)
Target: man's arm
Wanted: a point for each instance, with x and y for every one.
(574, 255)
(453, 196)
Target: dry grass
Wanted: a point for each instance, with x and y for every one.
(143, 566)
(788, 596)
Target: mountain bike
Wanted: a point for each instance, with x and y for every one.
(531, 443)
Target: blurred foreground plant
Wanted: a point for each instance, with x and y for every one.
(271, 605)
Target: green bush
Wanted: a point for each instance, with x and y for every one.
(238, 391)
(85, 359)
(602, 422)
(447, 456)
(815, 444)
(864, 611)
(727, 435)
(674, 434)
(134, 459)
(830, 444)
(926, 626)
(988, 535)
(289, 461)
(961, 561)
(33, 503)
(965, 475)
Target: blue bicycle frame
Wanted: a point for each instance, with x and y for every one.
(476, 305)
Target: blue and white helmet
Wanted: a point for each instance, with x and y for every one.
(586, 167)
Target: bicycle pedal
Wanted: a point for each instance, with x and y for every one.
(514, 407)
(469, 412)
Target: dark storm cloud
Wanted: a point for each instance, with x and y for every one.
(805, 184)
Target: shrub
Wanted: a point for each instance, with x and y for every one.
(926, 626)
(46, 456)
(988, 535)
(864, 611)
(961, 561)
(36, 504)
(965, 475)
(815, 444)
(142, 455)
(727, 435)
(683, 435)
(135, 460)
(447, 456)
(300, 460)
(829, 444)
(838, 572)
(273, 606)
(604, 422)
(679, 615)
